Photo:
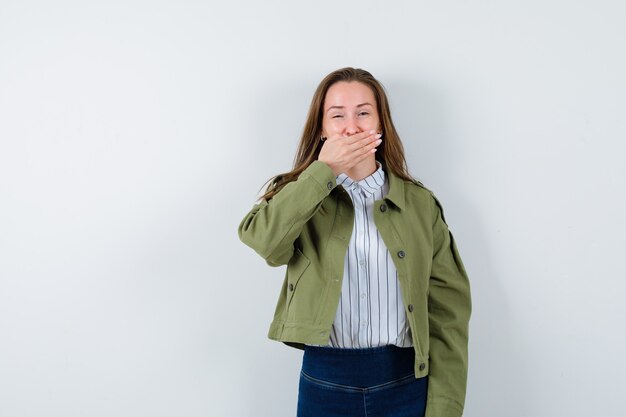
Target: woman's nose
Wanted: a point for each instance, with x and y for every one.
(351, 127)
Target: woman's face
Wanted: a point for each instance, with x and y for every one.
(349, 108)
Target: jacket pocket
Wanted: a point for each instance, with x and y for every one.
(296, 267)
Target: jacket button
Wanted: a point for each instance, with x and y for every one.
(410, 307)
(401, 254)
(290, 287)
(422, 366)
(383, 207)
(330, 185)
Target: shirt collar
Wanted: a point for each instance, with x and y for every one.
(370, 184)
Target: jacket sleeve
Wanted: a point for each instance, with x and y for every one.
(449, 310)
(271, 227)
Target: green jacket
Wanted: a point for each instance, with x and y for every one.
(307, 226)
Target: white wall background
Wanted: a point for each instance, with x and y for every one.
(134, 136)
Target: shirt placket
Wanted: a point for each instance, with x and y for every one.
(362, 275)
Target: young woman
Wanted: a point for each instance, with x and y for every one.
(375, 291)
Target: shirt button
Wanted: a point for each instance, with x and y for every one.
(290, 287)
(330, 185)
(383, 207)
(422, 366)
(362, 295)
(410, 307)
(401, 254)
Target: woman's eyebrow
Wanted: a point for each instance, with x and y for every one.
(343, 107)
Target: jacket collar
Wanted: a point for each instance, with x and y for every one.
(396, 188)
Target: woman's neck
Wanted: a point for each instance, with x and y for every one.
(363, 169)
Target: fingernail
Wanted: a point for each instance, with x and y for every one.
(378, 136)
(372, 131)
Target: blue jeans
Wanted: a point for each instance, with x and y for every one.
(372, 382)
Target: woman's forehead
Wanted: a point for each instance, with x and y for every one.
(349, 94)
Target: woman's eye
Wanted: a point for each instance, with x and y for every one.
(337, 116)
(363, 113)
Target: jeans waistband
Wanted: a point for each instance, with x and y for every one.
(358, 367)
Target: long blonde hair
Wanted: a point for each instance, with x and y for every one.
(390, 153)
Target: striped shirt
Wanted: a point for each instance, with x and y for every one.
(370, 311)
